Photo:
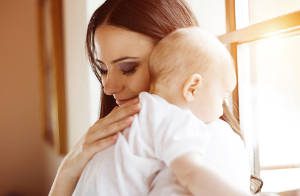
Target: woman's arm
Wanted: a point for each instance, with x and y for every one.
(200, 180)
(100, 136)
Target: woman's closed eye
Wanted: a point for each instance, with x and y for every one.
(128, 68)
(101, 69)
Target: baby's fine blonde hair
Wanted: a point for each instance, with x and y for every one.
(187, 51)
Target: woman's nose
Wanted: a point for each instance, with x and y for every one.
(111, 85)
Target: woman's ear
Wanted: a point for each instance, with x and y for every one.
(191, 85)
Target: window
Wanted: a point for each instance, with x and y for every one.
(260, 10)
(267, 45)
(270, 82)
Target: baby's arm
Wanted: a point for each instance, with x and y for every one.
(200, 180)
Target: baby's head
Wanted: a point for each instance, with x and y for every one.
(192, 69)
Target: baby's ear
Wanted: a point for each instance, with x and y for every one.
(191, 85)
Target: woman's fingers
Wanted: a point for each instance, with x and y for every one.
(103, 133)
(102, 144)
(90, 149)
(121, 112)
(109, 130)
(115, 128)
(130, 102)
(119, 119)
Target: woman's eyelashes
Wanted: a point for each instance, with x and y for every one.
(101, 70)
(128, 68)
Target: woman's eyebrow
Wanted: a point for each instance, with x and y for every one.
(118, 59)
(124, 58)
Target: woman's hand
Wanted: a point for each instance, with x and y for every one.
(99, 136)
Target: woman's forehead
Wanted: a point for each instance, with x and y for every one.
(113, 42)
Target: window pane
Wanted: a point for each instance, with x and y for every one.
(281, 180)
(265, 9)
(269, 87)
(210, 14)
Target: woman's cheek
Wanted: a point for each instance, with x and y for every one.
(142, 82)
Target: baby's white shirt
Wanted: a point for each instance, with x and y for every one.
(225, 154)
(160, 133)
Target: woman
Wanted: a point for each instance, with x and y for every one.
(120, 37)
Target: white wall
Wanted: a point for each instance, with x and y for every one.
(210, 14)
(94, 85)
(77, 79)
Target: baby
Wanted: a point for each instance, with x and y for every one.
(177, 145)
